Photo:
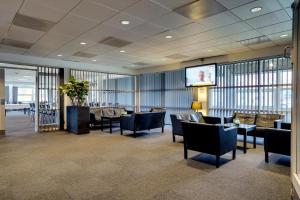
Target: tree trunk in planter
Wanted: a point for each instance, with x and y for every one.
(78, 119)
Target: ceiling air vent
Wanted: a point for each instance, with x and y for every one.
(200, 9)
(33, 23)
(254, 41)
(114, 42)
(84, 55)
(16, 43)
(177, 56)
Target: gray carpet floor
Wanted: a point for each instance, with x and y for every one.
(18, 123)
(109, 166)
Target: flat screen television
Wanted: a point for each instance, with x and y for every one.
(201, 75)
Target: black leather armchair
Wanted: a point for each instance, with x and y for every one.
(208, 138)
(177, 127)
(278, 140)
(142, 121)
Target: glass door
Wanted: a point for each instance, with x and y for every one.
(2, 101)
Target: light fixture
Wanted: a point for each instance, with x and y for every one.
(209, 50)
(122, 51)
(271, 65)
(59, 55)
(196, 106)
(94, 60)
(83, 43)
(256, 9)
(284, 35)
(169, 37)
(125, 22)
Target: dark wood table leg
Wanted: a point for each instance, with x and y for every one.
(245, 141)
(101, 124)
(110, 126)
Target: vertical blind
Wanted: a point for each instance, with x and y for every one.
(49, 96)
(257, 86)
(108, 89)
(166, 89)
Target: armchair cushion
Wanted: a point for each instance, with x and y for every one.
(120, 111)
(108, 112)
(197, 117)
(266, 120)
(245, 118)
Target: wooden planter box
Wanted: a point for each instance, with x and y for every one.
(78, 119)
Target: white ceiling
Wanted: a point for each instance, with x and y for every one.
(91, 21)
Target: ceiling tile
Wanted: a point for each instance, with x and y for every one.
(172, 20)
(245, 35)
(10, 49)
(262, 45)
(219, 20)
(39, 50)
(117, 4)
(116, 21)
(284, 26)
(281, 40)
(53, 40)
(233, 3)
(73, 25)
(10, 5)
(286, 3)
(148, 29)
(233, 29)
(190, 29)
(39, 10)
(147, 10)
(93, 11)
(289, 11)
(63, 5)
(172, 4)
(269, 19)
(24, 34)
(267, 6)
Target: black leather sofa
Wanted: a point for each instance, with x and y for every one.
(176, 120)
(278, 140)
(209, 138)
(142, 121)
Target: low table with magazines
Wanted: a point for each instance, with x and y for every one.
(111, 119)
(243, 129)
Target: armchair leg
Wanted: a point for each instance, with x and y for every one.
(185, 153)
(173, 137)
(233, 154)
(121, 131)
(134, 133)
(217, 161)
(162, 129)
(266, 157)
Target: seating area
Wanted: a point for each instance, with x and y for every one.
(150, 99)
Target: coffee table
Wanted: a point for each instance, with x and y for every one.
(111, 119)
(243, 129)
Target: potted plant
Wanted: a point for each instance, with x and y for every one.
(78, 116)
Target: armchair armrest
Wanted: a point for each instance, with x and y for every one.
(129, 112)
(228, 140)
(127, 122)
(228, 120)
(277, 123)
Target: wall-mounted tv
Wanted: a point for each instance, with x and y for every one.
(201, 75)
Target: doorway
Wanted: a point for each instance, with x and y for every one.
(20, 101)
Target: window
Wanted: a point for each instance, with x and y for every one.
(26, 94)
(258, 86)
(166, 89)
(108, 89)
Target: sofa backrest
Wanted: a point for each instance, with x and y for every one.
(149, 120)
(157, 109)
(204, 136)
(266, 120)
(260, 120)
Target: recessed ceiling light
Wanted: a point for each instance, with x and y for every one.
(256, 9)
(284, 35)
(169, 36)
(209, 50)
(83, 43)
(125, 22)
(59, 55)
(94, 60)
(122, 51)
